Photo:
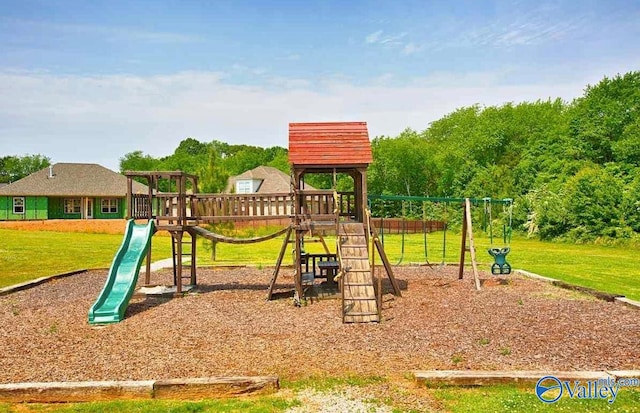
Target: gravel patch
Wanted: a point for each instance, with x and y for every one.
(227, 328)
(349, 399)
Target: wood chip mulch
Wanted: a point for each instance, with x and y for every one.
(228, 328)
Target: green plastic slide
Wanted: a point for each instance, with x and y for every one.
(123, 275)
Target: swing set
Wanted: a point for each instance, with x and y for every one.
(408, 223)
(436, 214)
(499, 254)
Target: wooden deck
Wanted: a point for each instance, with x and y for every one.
(359, 304)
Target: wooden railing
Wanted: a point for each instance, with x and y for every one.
(238, 207)
(141, 207)
(322, 203)
(225, 207)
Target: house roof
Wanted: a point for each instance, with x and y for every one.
(329, 144)
(273, 180)
(73, 179)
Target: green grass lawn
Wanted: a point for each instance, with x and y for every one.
(27, 255)
(238, 405)
(514, 399)
(499, 398)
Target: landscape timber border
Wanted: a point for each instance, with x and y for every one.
(172, 389)
(439, 378)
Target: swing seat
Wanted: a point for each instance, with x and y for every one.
(500, 266)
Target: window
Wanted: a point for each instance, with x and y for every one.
(244, 187)
(18, 205)
(109, 206)
(72, 206)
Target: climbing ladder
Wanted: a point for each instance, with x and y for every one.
(359, 303)
(178, 244)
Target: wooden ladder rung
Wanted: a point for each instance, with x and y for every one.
(358, 314)
(353, 245)
(357, 271)
(358, 285)
(360, 299)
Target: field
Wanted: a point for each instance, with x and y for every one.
(70, 245)
(228, 328)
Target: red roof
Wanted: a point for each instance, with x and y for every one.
(329, 144)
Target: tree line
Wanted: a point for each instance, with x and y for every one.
(213, 162)
(572, 168)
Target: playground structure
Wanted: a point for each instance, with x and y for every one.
(335, 147)
(314, 148)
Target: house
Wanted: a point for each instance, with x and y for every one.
(67, 191)
(261, 180)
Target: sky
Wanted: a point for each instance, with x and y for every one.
(90, 81)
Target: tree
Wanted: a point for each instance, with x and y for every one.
(13, 168)
(138, 161)
(213, 176)
(401, 166)
(600, 117)
(593, 199)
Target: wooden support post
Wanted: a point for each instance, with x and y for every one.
(467, 230)
(463, 243)
(472, 246)
(298, 266)
(193, 259)
(178, 235)
(324, 244)
(147, 275)
(150, 201)
(283, 250)
(129, 197)
(173, 258)
(373, 270)
(385, 260)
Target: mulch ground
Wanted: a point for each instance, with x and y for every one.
(228, 328)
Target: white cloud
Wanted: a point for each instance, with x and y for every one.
(100, 118)
(110, 33)
(411, 48)
(393, 40)
(373, 37)
(385, 40)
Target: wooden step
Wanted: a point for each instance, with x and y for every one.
(361, 314)
(357, 285)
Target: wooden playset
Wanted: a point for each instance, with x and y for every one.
(326, 148)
